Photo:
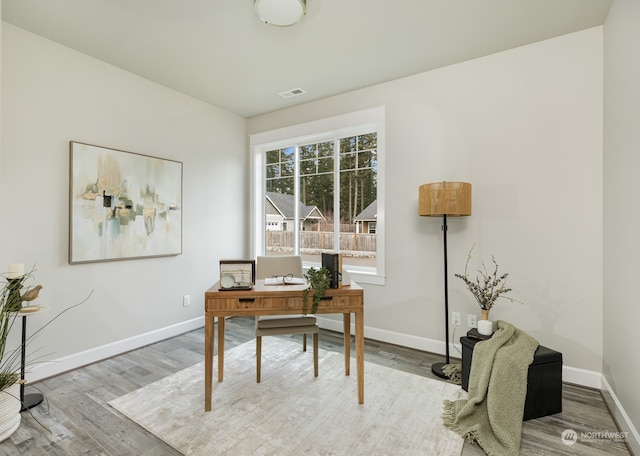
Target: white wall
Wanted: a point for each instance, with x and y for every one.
(525, 128)
(1, 24)
(51, 95)
(621, 365)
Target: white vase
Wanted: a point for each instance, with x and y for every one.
(9, 410)
(485, 327)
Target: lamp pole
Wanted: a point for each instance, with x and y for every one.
(436, 368)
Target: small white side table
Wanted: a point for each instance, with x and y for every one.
(29, 400)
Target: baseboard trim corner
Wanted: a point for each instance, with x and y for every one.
(620, 415)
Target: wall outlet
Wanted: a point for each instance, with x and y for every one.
(186, 300)
(472, 321)
(455, 316)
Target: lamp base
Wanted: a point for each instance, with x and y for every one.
(436, 368)
(31, 400)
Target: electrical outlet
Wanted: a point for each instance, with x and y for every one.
(186, 300)
(472, 321)
(455, 316)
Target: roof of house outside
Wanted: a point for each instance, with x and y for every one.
(285, 204)
(369, 214)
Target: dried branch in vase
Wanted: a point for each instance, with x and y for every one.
(487, 286)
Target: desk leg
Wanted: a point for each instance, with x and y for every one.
(220, 348)
(346, 328)
(360, 353)
(208, 359)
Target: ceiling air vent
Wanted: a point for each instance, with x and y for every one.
(291, 93)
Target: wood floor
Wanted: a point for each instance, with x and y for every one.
(80, 422)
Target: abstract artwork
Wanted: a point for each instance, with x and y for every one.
(122, 205)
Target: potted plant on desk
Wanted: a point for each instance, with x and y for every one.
(319, 280)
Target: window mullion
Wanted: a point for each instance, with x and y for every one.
(336, 194)
(297, 199)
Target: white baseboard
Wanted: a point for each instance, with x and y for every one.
(391, 337)
(582, 377)
(50, 368)
(621, 417)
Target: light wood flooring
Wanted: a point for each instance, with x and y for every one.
(80, 422)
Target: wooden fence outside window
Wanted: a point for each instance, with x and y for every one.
(351, 244)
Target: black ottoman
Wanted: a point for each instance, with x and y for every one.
(544, 380)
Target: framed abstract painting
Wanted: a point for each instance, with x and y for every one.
(122, 205)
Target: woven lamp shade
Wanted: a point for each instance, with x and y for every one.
(444, 198)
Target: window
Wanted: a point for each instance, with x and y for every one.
(322, 191)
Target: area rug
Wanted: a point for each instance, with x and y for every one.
(292, 413)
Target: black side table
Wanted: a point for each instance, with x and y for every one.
(544, 379)
(29, 400)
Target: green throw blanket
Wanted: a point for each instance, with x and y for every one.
(492, 413)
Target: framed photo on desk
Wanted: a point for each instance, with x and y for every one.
(237, 274)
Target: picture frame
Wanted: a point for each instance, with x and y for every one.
(122, 205)
(237, 274)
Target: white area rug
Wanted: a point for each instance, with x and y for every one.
(292, 413)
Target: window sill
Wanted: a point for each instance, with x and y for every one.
(360, 277)
(372, 279)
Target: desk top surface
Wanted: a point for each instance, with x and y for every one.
(261, 288)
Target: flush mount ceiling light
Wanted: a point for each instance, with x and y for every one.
(281, 13)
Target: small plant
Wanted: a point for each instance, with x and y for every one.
(488, 286)
(14, 293)
(11, 298)
(319, 280)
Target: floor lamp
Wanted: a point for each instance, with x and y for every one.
(444, 199)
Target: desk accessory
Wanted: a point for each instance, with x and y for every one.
(333, 263)
(237, 274)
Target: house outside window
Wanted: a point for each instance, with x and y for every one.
(321, 189)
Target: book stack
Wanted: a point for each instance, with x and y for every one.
(474, 334)
(333, 262)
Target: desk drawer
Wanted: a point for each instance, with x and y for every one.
(329, 302)
(246, 303)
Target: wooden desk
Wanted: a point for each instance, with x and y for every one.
(280, 300)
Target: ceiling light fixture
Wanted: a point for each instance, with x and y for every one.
(281, 13)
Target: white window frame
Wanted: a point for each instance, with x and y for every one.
(321, 130)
